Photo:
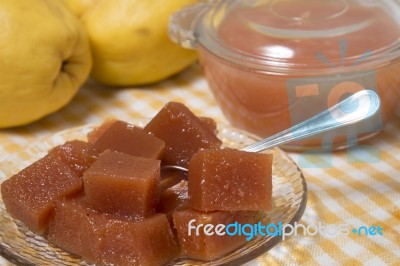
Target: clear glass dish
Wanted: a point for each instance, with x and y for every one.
(22, 247)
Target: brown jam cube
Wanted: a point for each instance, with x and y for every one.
(97, 132)
(229, 180)
(110, 240)
(76, 228)
(147, 242)
(75, 154)
(122, 184)
(173, 198)
(198, 245)
(30, 195)
(183, 132)
(126, 138)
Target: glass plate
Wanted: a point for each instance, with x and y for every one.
(21, 246)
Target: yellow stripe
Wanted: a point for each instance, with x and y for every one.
(355, 210)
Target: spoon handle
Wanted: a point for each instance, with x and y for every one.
(353, 109)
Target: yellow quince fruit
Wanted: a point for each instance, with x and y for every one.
(79, 7)
(44, 58)
(129, 40)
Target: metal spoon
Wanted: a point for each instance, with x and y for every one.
(353, 109)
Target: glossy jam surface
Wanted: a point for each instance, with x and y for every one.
(97, 132)
(31, 194)
(183, 132)
(76, 228)
(303, 56)
(126, 138)
(228, 179)
(75, 154)
(122, 184)
(108, 240)
(141, 243)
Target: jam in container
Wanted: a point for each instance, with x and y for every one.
(274, 63)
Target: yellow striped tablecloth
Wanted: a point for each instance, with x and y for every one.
(342, 188)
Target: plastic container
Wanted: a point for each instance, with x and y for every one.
(272, 64)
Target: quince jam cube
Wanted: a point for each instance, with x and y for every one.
(77, 228)
(129, 139)
(111, 240)
(30, 195)
(122, 184)
(229, 179)
(191, 227)
(75, 154)
(147, 242)
(183, 132)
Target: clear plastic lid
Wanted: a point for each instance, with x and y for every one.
(283, 36)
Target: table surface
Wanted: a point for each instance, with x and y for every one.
(344, 188)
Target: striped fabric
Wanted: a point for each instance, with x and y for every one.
(344, 190)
